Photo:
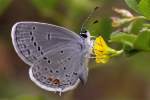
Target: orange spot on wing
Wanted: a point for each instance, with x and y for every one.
(56, 81)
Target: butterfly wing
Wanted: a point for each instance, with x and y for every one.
(59, 69)
(32, 39)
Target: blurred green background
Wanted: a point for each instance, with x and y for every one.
(123, 78)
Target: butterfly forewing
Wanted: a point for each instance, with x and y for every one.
(32, 40)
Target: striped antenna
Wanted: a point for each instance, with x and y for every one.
(83, 27)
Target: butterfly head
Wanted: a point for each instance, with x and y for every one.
(86, 37)
(85, 34)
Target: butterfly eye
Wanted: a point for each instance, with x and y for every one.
(84, 35)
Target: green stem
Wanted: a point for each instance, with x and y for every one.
(146, 25)
(140, 17)
(117, 53)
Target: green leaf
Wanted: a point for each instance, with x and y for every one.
(144, 7)
(127, 40)
(133, 4)
(143, 41)
(3, 5)
(135, 26)
(45, 6)
(123, 38)
(130, 51)
(103, 28)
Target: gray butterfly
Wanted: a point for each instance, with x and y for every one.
(58, 57)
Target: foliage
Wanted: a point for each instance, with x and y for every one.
(132, 4)
(3, 5)
(135, 31)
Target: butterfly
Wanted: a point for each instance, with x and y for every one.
(57, 57)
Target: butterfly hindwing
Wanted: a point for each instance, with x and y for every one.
(59, 69)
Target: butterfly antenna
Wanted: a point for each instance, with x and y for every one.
(83, 27)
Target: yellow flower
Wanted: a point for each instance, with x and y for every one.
(102, 52)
